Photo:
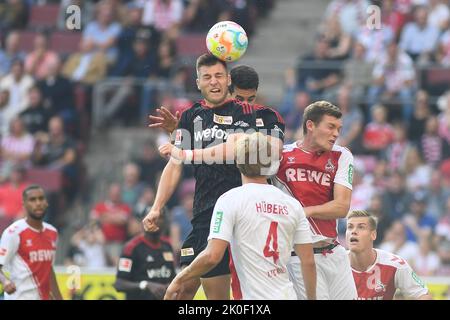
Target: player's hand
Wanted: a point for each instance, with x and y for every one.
(166, 120)
(9, 287)
(158, 290)
(169, 150)
(173, 291)
(150, 222)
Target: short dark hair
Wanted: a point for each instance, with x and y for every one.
(244, 77)
(29, 188)
(316, 110)
(209, 60)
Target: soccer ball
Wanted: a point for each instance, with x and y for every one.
(227, 41)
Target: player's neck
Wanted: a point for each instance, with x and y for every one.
(260, 180)
(308, 145)
(363, 260)
(34, 223)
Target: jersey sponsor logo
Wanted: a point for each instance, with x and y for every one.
(210, 133)
(329, 167)
(3, 252)
(218, 222)
(241, 124)
(223, 119)
(41, 255)
(350, 174)
(197, 118)
(178, 137)
(168, 256)
(150, 258)
(259, 122)
(125, 264)
(301, 174)
(185, 252)
(162, 272)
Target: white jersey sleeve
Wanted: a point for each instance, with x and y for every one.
(344, 174)
(303, 232)
(409, 283)
(9, 244)
(223, 218)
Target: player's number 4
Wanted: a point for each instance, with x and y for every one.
(272, 237)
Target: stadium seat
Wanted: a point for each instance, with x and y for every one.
(191, 44)
(26, 41)
(44, 16)
(51, 180)
(65, 43)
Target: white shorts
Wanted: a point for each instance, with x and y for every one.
(334, 276)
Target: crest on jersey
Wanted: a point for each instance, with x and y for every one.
(329, 167)
(223, 119)
(290, 160)
(125, 264)
(259, 122)
(380, 287)
(29, 243)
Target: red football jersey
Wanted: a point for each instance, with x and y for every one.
(28, 255)
(389, 273)
(310, 178)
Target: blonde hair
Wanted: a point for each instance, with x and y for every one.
(373, 221)
(253, 154)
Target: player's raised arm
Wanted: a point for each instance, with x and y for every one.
(166, 120)
(167, 184)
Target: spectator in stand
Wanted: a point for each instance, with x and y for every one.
(394, 78)
(317, 73)
(104, 31)
(417, 172)
(38, 61)
(419, 39)
(58, 95)
(422, 112)
(164, 16)
(380, 176)
(443, 240)
(132, 187)
(443, 52)
(433, 148)
(396, 198)
(392, 17)
(88, 65)
(340, 42)
(10, 53)
(437, 195)
(384, 222)
(11, 195)
(13, 15)
(395, 152)
(57, 151)
(395, 241)
(35, 117)
(139, 211)
(4, 101)
(167, 53)
(18, 84)
(358, 73)
(245, 12)
(427, 262)
(87, 247)
(439, 14)
(351, 13)
(375, 40)
(363, 190)
(444, 116)
(113, 215)
(201, 15)
(352, 121)
(150, 164)
(16, 148)
(418, 220)
(378, 134)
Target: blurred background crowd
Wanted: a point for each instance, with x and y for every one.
(59, 88)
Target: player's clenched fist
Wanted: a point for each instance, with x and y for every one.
(150, 222)
(9, 287)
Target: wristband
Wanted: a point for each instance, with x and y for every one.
(188, 155)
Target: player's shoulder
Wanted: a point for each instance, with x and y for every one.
(391, 259)
(50, 227)
(16, 228)
(342, 151)
(266, 111)
(232, 193)
(132, 244)
(287, 148)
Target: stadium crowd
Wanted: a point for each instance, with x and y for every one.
(389, 79)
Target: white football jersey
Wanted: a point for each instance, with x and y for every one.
(262, 224)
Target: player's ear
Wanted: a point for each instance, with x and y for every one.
(228, 80)
(373, 235)
(197, 82)
(309, 124)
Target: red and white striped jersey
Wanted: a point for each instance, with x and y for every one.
(389, 273)
(28, 255)
(310, 178)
